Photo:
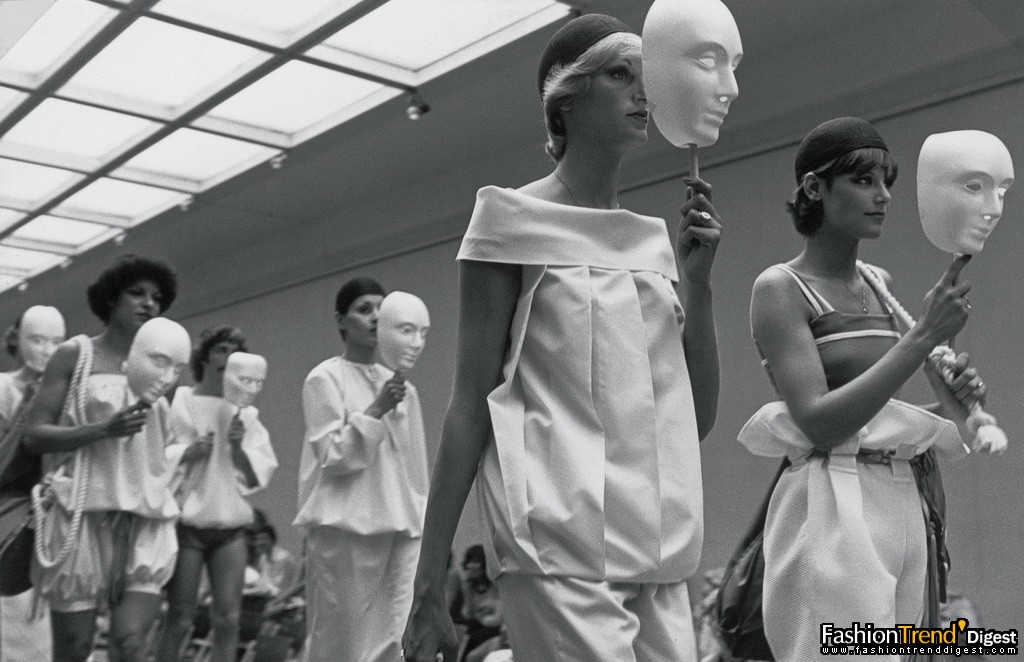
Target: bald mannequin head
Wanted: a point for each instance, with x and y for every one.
(690, 50)
(962, 177)
(402, 330)
(244, 375)
(159, 352)
(40, 331)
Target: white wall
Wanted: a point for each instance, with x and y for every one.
(293, 327)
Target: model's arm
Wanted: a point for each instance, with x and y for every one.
(253, 455)
(779, 319)
(487, 299)
(954, 399)
(699, 233)
(343, 442)
(44, 435)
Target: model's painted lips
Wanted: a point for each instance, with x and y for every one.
(642, 114)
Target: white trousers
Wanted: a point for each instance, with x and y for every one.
(358, 595)
(839, 555)
(23, 638)
(562, 619)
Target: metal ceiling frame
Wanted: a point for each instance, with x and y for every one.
(129, 13)
(146, 116)
(126, 16)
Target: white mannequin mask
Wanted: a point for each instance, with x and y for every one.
(244, 375)
(961, 179)
(690, 50)
(40, 331)
(402, 330)
(158, 354)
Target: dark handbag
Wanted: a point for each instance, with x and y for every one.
(19, 471)
(738, 605)
(17, 541)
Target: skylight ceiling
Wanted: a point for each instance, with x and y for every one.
(114, 111)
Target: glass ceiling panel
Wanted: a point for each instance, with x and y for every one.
(298, 101)
(276, 22)
(119, 203)
(161, 69)
(52, 40)
(413, 35)
(9, 217)
(9, 99)
(28, 262)
(65, 133)
(27, 186)
(195, 159)
(63, 232)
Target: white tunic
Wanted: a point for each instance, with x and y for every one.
(594, 469)
(358, 473)
(212, 492)
(125, 473)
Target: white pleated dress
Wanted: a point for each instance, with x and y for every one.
(593, 471)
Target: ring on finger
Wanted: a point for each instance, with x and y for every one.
(706, 216)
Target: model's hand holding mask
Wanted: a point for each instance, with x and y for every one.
(40, 331)
(244, 375)
(690, 50)
(158, 354)
(961, 179)
(401, 330)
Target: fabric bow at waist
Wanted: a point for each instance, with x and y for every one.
(900, 430)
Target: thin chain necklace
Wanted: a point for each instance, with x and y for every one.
(566, 187)
(863, 294)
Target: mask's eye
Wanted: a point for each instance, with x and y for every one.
(708, 61)
(973, 187)
(159, 361)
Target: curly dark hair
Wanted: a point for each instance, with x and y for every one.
(808, 214)
(210, 337)
(125, 272)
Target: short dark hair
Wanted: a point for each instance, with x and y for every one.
(354, 289)
(210, 337)
(808, 214)
(125, 272)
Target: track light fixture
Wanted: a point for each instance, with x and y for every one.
(417, 106)
(278, 160)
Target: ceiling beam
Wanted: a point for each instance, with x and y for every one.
(146, 116)
(200, 109)
(266, 48)
(129, 14)
(86, 172)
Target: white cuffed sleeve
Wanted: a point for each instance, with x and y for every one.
(343, 442)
